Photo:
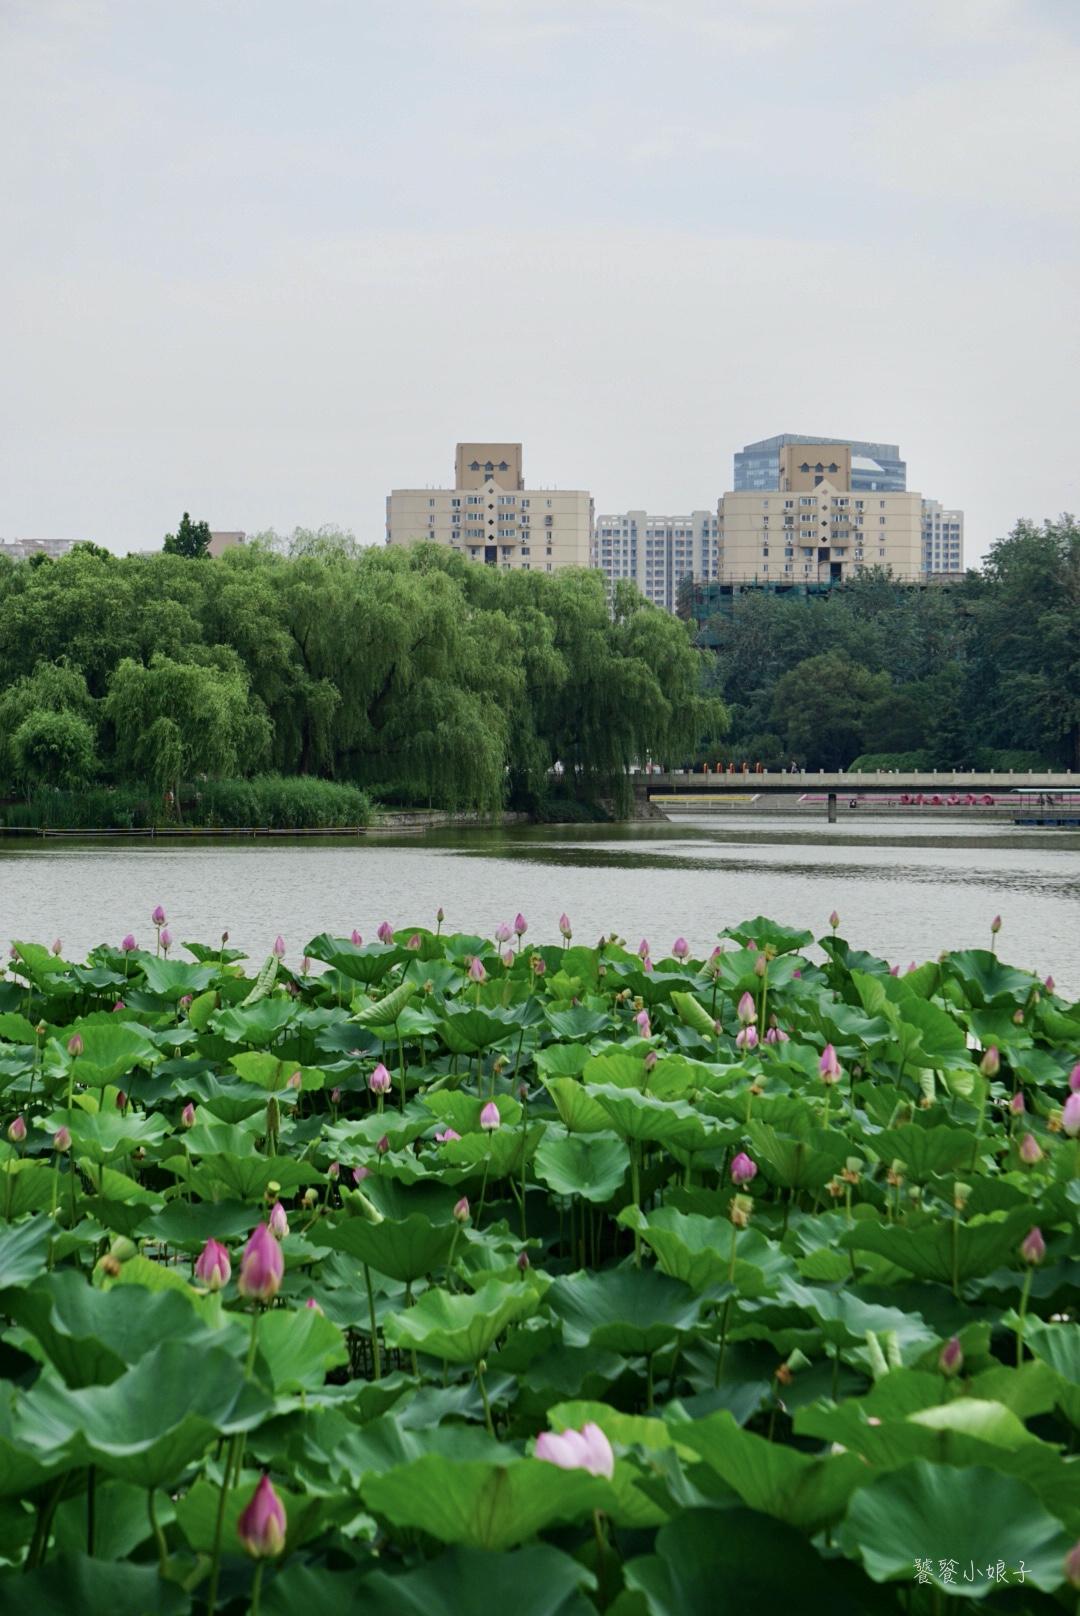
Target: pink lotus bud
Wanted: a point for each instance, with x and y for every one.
(447, 1136)
(894, 970)
(296, 1081)
(995, 925)
(212, 1266)
(356, 938)
(119, 1005)
(360, 1173)
(385, 933)
(1033, 1247)
(643, 1027)
(651, 1059)
(305, 965)
(834, 920)
(461, 1210)
(262, 1525)
(911, 967)
(383, 1145)
(333, 1172)
(523, 1262)
(1018, 1018)
(380, 1080)
(440, 915)
(680, 948)
(537, 964)
(1070, 1116)
(508, 957)
(1072, 1566)
(278, 1222)
(829, 1066)
(777, 1035)
(157, 915)
(503, 932)
(1017, 1105)
(128, 943)
(587, 1449)
(643, 948)
(521, 925)
(185, 1001)
(743, 1169)
(490, 1118)
(746, 1038)
(476, 970)
(951, 1358)
(75, 1046)
(57, 947)
(797, 975)
(279, 946)
(414, 942)
(1049, 984)
(335, 1096)
(761, 965)
(187, 1115)
(17, 1131)
(1074, 1079)
(62, 1138)
(261, 1267)
(121, 1100)
(1030, 1153)
(747, 1010)
(646, 965)
(990, 1065)
(564, 926)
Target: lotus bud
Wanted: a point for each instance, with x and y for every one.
(1072, 1566)
(41, 1029)
(187, 1115)
(17, 1130)
(951, 1358)
(503, 932)
(184, 1002)
(1049, 984)
(1017, 1105)
(447, 1136)
(1030, 1152)
(121, 1100)
(680, 948)
(62, 1138)
(273, 1115)
(335, 1095)
(356, 938)
(383, 1145)
(278, 1222)
(995, 925)
(894, 970)
(461, 1210)
(508, 956)
(1033, 1248)
(110, 1265)
(128, 944)
(57, 947)
(834, 920)
(224, 938)
(157, 915)
(523, 1262)
(296, 1081)
(564, 926)
(490, 1118)
(385, 933)
(212, 1266)
(761, 965)
(747, 1010)
(642, 1021)
(829, 1066)
(1070, 1115)
(587, 1449)
(1018, 1018)
(521, 925)
(743, 1169)
(537, 964)
(476, 970)
(961, 1194)
(1074, 1079)
(360, 1173)
(333, 1172)
(440, 915)
(643, 948)
(279, 947)
(740, 1209)
(651, 1060)
(305, 966)
(746, 1038)
(261, 1267)
(310, 1197)
(990, 1065)
(262, 1525)
(380, 1080)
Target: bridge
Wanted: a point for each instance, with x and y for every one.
(961, 784)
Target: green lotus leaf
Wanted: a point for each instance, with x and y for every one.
(172, 979)
(798, 1164)
(641, 1117)
(985, 980)
(627, 1310)
(402, 1249)
(924, 1152)
(499, 1153)
(461, 1328)
(93, 1587)
(462, 1111)
(121, 1522)
(367, 962)
(384, 1012)
(25, 1186)
(591, 1165)
(306, 1515)
(466, 1029)
(110, 1051)
(1058, 1345)
(92, 1336)
(23, 1248)
(697, 1250)
(927, 1249)
(766, 933)
(259, 1024)
(298, 1349)
(577, 1111)
(534, 1581)
(578, 1021)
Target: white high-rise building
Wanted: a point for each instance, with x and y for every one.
(657, 552)
(943, 538)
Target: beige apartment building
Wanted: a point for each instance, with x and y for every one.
(815, 527)
(490, 516)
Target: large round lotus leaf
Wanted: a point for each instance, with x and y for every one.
(945, 1517)
(697, 1250)
(461, 1328)
(92, 1587)
(402, 1250)
(628, 1310)
(591, 1165)
(94, 1335)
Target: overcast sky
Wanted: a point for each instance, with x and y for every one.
(266, 259)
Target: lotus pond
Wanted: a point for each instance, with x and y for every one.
(443, 1273)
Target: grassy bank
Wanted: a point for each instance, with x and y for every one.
(275, 801)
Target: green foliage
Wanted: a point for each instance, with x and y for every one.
(767, 1372)
(191, 539)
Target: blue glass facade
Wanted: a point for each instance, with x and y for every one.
(874, 466)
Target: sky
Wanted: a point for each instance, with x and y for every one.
(265, 260)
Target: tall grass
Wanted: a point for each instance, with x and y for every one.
(267, 801)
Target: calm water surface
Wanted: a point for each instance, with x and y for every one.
(904, 889)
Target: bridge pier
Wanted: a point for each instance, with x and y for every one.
(832, 807)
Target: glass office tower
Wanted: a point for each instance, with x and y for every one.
(874, 466)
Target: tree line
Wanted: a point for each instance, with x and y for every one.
(413, 673)
(979, 673)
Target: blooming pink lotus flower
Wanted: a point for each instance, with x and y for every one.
(128, 943)
(279, 1223)
(521, 925)
(643, 948)
(680, 948)
(508, 957)
(476, 969)
(747, 1010)
(380, 1080)
(261, 1267)
(829, 1066)
(385, 933)
(743, 1168)
(360, 1173)
(1074, 1078)
(564, 926)
(951, 1358)
(1033, 1247)
(834, 920)
(187, 1115)
(643, 1026)
(1070, 1116)
(356, 938)
(447, 1136)
(262, 1526)
(587, 1449)
(17, 1130)
(62, 1138)
(212, 1266)
(461, 1210)
(1017, 1104)
(1030, 1153)
(746, 1038)
(279, 946)
(57, 947)
(490, 1118)
(503, 932)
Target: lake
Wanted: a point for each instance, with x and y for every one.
(904, 889)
